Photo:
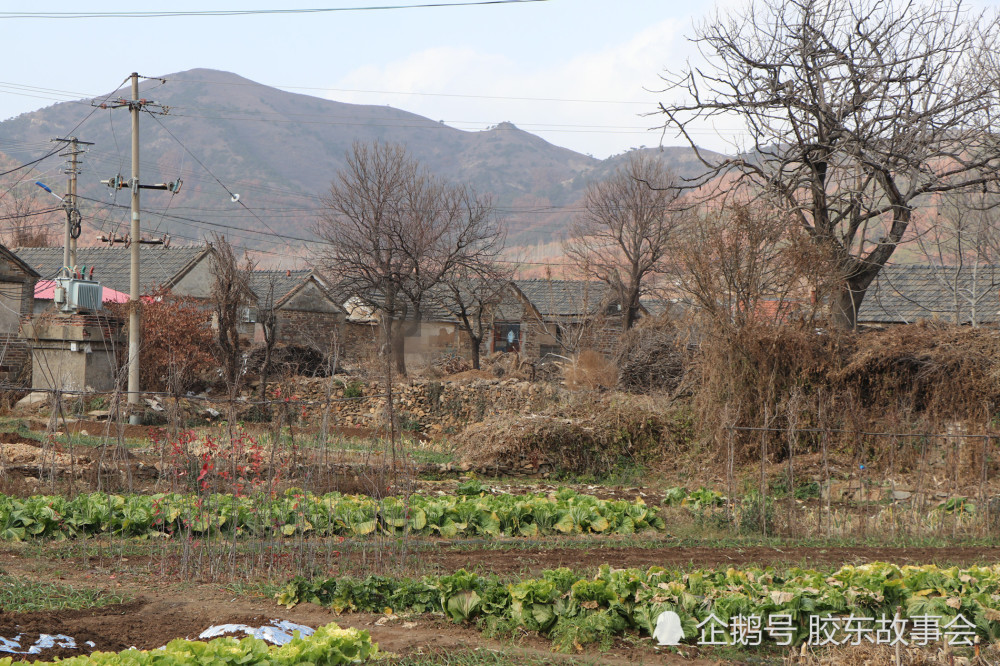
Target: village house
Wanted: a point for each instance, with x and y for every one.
(186, 271)
(534, 318)
(17, 289)
(903, 294)
(306, 312)
(563, 317)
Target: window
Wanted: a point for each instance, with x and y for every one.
(507, 337)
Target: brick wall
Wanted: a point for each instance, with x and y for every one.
(15, 361)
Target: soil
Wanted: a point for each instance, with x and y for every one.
(533, 561)
(159, 617)
(165, 610)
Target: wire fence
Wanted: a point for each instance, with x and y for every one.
(834, 483)
(265, 468)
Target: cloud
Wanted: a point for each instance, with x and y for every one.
(622, 73)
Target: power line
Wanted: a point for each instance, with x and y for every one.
(235, 197)
(239, 232)
(252, 12)
(50, 154)
(289, 118)
(421, 94)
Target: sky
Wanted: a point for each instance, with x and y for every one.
(583, 74)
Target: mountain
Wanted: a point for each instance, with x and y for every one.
(280, 151)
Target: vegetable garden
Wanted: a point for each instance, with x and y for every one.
(184, 532)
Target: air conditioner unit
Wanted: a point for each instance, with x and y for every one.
(81, 294)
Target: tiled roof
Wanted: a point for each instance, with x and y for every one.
(907, 293)
(10, 256)
(158, 265)
(431, 307)
(284, 282)
(435, 305)
(564, 298)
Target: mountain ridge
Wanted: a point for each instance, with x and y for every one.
(281, 150)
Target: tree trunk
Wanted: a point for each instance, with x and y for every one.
(630, 308)
(398, 347)
(631, 316)
(847, 302)
(474, 343)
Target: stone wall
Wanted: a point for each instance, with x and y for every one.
(539, 337)
(312, 329)
(431, 407)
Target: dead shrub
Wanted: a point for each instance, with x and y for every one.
(288, 360)
(748, 375)
(650, 357)
(449, 364)
(507, 365)
(765, 375)
(586, 436)
(591, 370)
(942, 370)
(176, 341)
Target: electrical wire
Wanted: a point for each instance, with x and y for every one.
(239, 232)
(253, 12)
(235, 197)
(60, 147)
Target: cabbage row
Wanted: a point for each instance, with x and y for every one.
(301, 513)
(807, 605)
(328, 646)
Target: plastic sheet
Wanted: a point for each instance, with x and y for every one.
(44, 642)
(278, 632)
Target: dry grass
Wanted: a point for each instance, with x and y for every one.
(586, 435)
(941, 369)
(591, 370)
(901, 378)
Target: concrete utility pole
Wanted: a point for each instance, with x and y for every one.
(72, 230)
(135, 105)
(136, 234)
(75, 223)
(72, 210)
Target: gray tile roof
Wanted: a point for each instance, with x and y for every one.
(438, 304)
(284, 282)
(907, 293)
(18, 261)
(564, 298)
(158, 265)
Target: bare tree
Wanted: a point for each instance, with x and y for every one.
(962, 245)
(472, 296)
(231, 295)
(624, 235)
(739, 266)
(393, 232)
(855, 111)
(26, 220)
(267, 318)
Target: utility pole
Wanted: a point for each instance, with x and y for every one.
(136, 234)
(135, 105)
(73, 226)
(75, 223)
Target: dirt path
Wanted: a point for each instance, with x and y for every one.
(535, 560)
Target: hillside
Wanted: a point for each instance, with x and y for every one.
(280, 151)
